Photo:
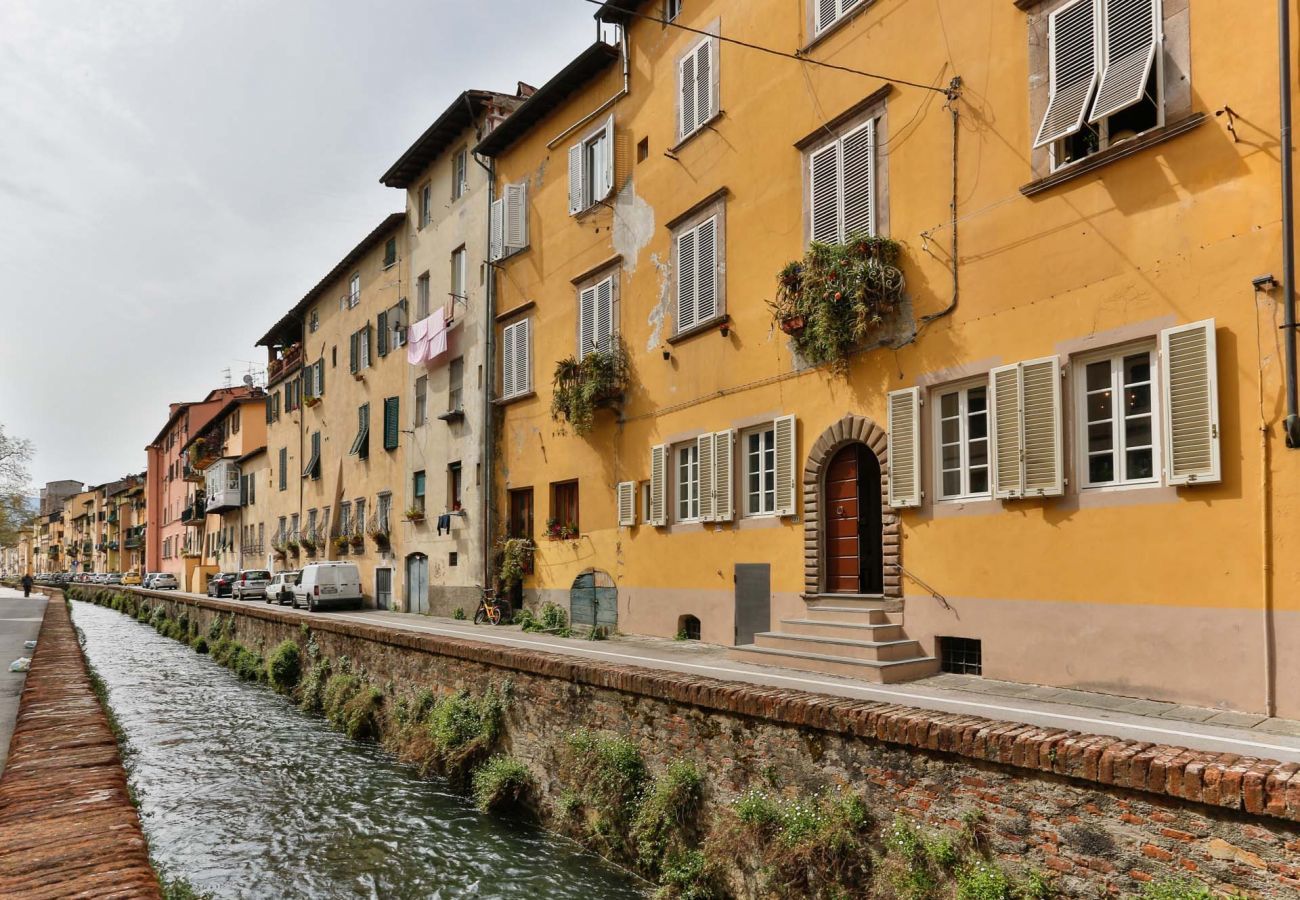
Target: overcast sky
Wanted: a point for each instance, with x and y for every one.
(175, 174)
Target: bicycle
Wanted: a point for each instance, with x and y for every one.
(491, 609)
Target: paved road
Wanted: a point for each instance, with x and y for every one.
(1123, 717)
(20, 620)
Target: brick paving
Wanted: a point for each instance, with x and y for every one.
(67, 824)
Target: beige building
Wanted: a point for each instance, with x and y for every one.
(441, 490)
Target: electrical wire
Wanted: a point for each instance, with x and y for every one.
(797, 56)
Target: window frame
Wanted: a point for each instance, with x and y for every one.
(962, 389)
(768, 428)
(460, 173)
(872, 109)
(420, 405)
(508, 360)
(715, 83)
(423, 301)
(612, 274)
(1079, 418)
(844, 9)
(419, 489)
(692, 222)
(559, 487)
(426, 204)
(691, 448)
(354, 290)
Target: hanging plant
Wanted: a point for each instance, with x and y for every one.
(357, 539)
(341, 542)
(516, 556)
(580, 387)
(838, 297)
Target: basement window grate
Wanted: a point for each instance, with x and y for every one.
(688, 628)
(961, 656)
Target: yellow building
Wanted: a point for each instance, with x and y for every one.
(1054, 453)
(335, 428)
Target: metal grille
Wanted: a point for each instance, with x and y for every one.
(962, 656)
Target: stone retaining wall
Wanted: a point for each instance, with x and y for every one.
(1099, 813)
(67, 824)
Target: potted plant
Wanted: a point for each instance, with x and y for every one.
(516, 559)
(415, 514)
(292, 546)
(357, 540)
(308, 543)
(554, 531)
(341, 543)
(379, 534)
(311, 401)
(582, 386)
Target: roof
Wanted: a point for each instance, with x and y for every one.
(255, 395)
(618, 11)
(588, 64)
(291, 322)
(178, 408)
(447, 128)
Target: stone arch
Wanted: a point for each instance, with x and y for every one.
(850, 429)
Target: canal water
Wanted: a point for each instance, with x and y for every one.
(245, 796)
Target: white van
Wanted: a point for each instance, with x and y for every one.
(328, 584)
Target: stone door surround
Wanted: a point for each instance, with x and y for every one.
(850, 429)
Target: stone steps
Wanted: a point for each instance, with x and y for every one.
(883, 630)
(848, 648)
(876, 671)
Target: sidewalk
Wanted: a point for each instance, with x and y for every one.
(1103, 714)
(20, 621)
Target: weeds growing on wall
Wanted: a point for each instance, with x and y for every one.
(284, 667)
(550, 619)
(501, 783)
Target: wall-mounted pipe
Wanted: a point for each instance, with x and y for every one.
(1292, 423)
(623, 92)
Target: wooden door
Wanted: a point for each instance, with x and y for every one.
(854, 523)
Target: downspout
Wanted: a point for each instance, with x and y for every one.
(1292, 423)
(489, 383)
(623, 92)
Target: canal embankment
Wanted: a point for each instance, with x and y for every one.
(68, 827)
(693, 781)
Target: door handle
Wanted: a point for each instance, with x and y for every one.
(839, 512)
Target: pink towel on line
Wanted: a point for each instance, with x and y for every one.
(437, 341)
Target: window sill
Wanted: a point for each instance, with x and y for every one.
(699, 328)
(834, 27)
(1106, 157)
(514, 398)
(454, 415)
(706, 125)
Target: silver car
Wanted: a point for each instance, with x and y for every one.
(280, 590)
(164, 581)
(250, 583)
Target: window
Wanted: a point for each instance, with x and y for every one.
(760, 472)
(360, 517)
(359, 350)
(962, 656)
(597, 322)
(672, 9)
(422, 297)
(293, 526)
(564, 505)
(828, 12)
(842, 186)
(313, 464)
(453, 486)
(458, 274)
(697, 270)
(460, 174)
(421, 399)
(361, 444)
(284, 468)
(961, 431)
(417, 490)
(283, 531)
(1104, 66)
(688, 483)
(311, 524)
(391, 426)
(508, 222)
(516, 373)
(384, 512)
(591, 168)
(697, 96)
(390, 252)
(456, 384)
(426, 204)
(345, 519)
(1118, 416)
(354, 290)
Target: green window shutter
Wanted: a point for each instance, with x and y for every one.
(390, 423)
(268, 409)
(383, 333)
(352, 353)
(284, 465)
(320, 377)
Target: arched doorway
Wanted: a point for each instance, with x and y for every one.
(854, 527)
(417, 583)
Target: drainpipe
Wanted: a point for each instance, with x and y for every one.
(1292, 424)
(489, 382)
(623, 92)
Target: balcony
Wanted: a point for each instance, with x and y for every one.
(290, 358)
(87, 548)
(195, 511)
(112, 545)
(206, 450)
(191, 474)
(223, 487)
(135, 542)
(112, 517)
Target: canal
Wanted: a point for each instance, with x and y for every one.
(245, 796)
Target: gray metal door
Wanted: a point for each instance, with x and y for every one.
(592, 601)
(383, 588)
(417, 583)
(753, 601)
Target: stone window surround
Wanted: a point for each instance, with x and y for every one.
(713, 205)
(871, 106)
(851, 429)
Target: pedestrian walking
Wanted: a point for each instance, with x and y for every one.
(27, 585)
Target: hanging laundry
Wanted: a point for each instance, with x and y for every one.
(444, 523)
(437, 333)
(417, 348)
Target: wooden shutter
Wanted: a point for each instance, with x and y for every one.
(390, 423)
(707, 488)
(724, 479)
(1072, 74)
(687, 95)
(1040, 405)
(827, 12)
(685, 280)
(706, 275)
(1130, 41)
(704, 107)
(268, 410)
(784, 429)
(657, 515)
(320, 378)
(607, 176)
(523, 356)
(352, 352)
(1004, 405)
(586, 321)
(824, 193)
(1190, 389)
(516, 216)
(575, 179)
(508, 361)
(605, 315)
(859, 178)
(382, 326)
(496, 230)
(905, 448)
(627, 503)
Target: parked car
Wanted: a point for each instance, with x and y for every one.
(148, 579)
(113, 578)
(280, 590)
(164, 581)
(131, 578)
(219, 585)
(99, 578)
(328, 584)
(250, 583)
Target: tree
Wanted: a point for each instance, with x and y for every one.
(16, 513)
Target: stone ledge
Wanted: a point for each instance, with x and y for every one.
(1256, 786)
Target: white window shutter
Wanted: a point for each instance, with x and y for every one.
(905, 448)
(824, 193)
(575, 180)
(496, 230)
(1190, 385)
(827, 12)
(605, 315)
(706, 263)
(707, 489)
(859, 148)
(1005, 429)
(704, 108)
(627, 503)
(686, 268)
(508, 361)
(724, 494)
(607, 177)
(1072, 51)
(686, 99)
(786, 493)
(1040, 403)
(586, 321)
(1130, 41)
(524, 356)
(516, 216)
(658, 512)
